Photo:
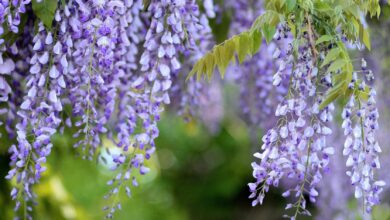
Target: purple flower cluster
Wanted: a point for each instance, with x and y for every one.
(10, 17)
(6, 68)
(114, 65)
(360, 122)
(38, 116)
(296, 148)
(174, 30)
(93, 74)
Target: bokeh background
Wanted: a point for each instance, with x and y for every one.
(201, 167)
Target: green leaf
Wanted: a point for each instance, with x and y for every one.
(332, 55)
(268, 32)
(230, 49)
(354, 10)
(210, 64)
(307, 5)
(366, 39)
(324, 38)
(244, 45)
(256, 41)
(45, 11)
(332, 95)
(293, 28)
(363, 95)
(338, 64)
(269, 17)
(146, 4)
(291, 4)
(282, 2)
(322, 6)
(219, 61)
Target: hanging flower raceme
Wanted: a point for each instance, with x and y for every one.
(10, 19)
(89, 60)
(39, 113)
(93, 75)
(360, 122)
(131, 30)
(6, 68)
(316, 65)
(173, 31)
(296, 148)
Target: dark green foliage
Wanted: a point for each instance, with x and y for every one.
(45, 11)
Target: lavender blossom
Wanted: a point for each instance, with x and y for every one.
(10, 17)
(296, 148)
(173, 30)
(92, 76)
(362, 149)
(6, 68)
(39, 116)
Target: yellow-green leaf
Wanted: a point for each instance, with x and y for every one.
(256, 41)
(210, 64)
(335, 92)
(324, 38)
(195, 70)
(219, 52)
(230, 49)
(322, 6)
(366, 39)
(338, 64)
(363, 95)
(244, 46)
(332, 55)
(291, 4)
(268, 32)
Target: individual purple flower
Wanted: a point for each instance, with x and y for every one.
(209, 7)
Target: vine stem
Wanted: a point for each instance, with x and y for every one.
(364, 148)
(301, 197)
(29, 160)
(311, 37)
